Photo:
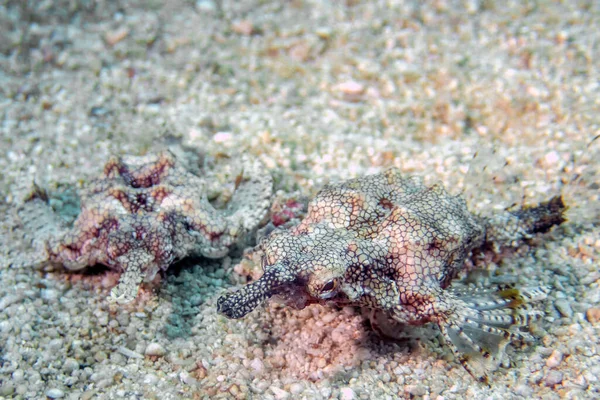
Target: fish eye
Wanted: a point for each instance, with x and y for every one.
(329, 286)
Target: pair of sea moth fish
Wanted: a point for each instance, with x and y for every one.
(384, 242)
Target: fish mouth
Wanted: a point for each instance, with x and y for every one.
(294, 296)
(241, 302)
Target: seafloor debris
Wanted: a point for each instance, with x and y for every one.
(146, 212)
(393, 245)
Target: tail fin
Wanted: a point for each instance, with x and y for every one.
(484, 321)
(511, 226)
(28, 228)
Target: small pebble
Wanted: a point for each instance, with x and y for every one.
(536, 378)
(350, 88)
(186, 378)
(87, 395)
(114, 37)
(327, 318)
(18, 375)
(325, 391)
(117, 358)
(554, 377)
(196, 300)
(296, 388)
(386, 377)
(234, 390)
(55, 393)
(205, 5)
(261, 387)
(70, 365)
(223, 137)
(280, 394)
(347, 393)
(555, 359)
(257, 365)
(129, 353)
(49, 294)
(243, 27)
(55, 344)
(20, 389)
(100, 356)
(338, 335)
(564, 308)
(593, 315)
(7, 389)
(104, 383)
(155, 349)
(98, 376)
(415, 390)
(524, 391)
(324, 32)
(551, 158)
(150, 379)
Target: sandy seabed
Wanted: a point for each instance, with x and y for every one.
(499, 101)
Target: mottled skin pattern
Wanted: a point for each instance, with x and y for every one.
(146, 212)
(393, 245)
